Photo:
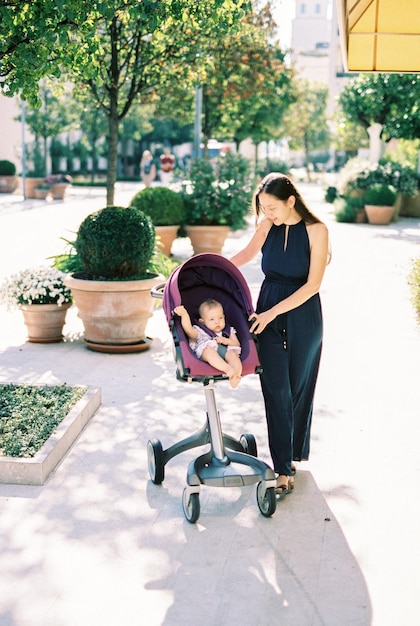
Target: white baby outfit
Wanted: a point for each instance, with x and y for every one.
(205, 341)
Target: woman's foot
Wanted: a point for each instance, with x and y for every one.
(285, 484)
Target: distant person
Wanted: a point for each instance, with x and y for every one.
(167, 166)
(209, 343)
(147, 168)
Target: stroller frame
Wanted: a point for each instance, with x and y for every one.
(229, 462)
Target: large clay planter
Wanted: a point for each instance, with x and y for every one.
(41, 194)
(58, 190)
(379, 215)
(44, 322)
(207, 238)
(8, 184)
(114, 313)
(30, 184)
(409, 207)
(360, 216)
(167, 235)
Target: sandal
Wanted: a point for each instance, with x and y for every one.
(284, 488)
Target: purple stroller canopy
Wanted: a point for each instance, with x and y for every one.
(210, 276)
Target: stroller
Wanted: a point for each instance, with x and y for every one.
(200, 277)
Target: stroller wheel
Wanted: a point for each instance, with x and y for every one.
(191, 505)
(155, 461)
(266, 498)
(249, 444)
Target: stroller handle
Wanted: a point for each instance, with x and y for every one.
(157, 291)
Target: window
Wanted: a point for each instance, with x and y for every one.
(303, 8)
(317, 8)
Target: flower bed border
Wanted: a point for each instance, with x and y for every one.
(36, 470)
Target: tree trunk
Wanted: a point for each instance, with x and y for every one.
(113, 119)
(307, 159)
(112, 158)
(256, 159)
(375, 143)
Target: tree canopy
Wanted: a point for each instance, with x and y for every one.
(392, 100)
(306, 126)
(119, 50)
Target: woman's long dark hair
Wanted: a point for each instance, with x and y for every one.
(281, 187)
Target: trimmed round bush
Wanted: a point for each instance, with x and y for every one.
(7, 168)
(380, 195)
(164, 206)
(116, 243)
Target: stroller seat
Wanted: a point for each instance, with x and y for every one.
(200, 277)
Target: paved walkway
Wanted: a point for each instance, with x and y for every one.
(100, 545)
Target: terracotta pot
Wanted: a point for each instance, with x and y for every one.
(41, 194)
(379, 215)
(360, 216)
(8, 184)
(45, 322)
(207, 238)
(58, 190)
(409, 207)
(114, 313)
(30, 184)
(167, 235)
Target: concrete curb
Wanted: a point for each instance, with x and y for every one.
(35, 470)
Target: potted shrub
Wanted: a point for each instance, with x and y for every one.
(8, 178)
(358, 176)
(350, 208)
(114, 247)
(59, 184)
(217, 199)
(42, 190)
(379, 203)
(42, 296)
(165, 208)
(33, 179)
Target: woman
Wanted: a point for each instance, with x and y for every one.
(147, 168)
(288, 318)
(167, 166)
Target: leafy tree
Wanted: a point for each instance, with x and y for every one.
(121, 51)
(54, 117)
(93, 125)
(247, 85)
(260, 116)
(38, 40)
(391, 100)
(307, 126)
(349, 135)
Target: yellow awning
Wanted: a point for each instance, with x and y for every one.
(380, 35)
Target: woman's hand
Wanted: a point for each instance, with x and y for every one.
(260, 321)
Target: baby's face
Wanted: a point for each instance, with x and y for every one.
(214, 319)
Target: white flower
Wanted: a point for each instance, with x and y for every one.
(40, 285)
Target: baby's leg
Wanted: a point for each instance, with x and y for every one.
(233, 359)
(211, 357)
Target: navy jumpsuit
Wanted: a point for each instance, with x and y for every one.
(289, 347)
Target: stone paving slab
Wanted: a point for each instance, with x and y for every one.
(98, 544)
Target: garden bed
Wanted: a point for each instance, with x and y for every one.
(39, 424)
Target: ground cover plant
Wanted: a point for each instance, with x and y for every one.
(414, 282)
(29, 415)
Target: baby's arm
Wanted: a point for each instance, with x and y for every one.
(191, 332)
(232, 340)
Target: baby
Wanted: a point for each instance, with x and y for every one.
(217, 350)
